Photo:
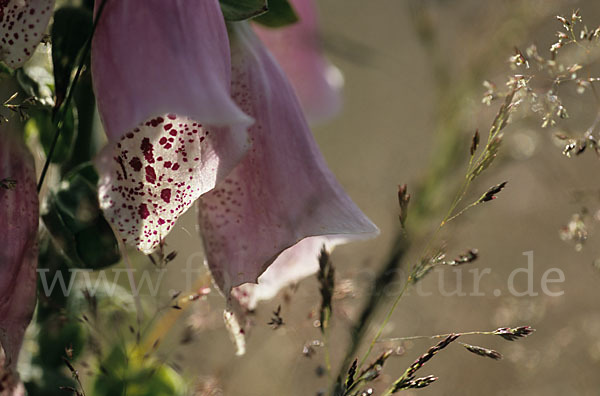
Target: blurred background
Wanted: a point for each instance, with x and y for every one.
(414, 73)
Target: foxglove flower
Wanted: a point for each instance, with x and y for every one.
(297, 49)
(18, 241)
(282, 192)
(22, 27)
(161, 72)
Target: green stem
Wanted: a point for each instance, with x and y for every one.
(384, 323)
(419, 337)
(458, 198)
(327, 355)
(461, 212)
(386, 276)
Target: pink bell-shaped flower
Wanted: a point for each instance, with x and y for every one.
(297, 49)
(282, 194)
(22, 27)
(161, 72)
(18, 241)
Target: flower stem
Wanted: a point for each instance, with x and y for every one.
(327, 354)
(166, 323)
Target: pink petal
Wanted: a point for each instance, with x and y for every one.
(236, 332)
(293, 265)
(161, 74)
(156, 172)
(22, 27)
(18, 239)
(297, 49)
(156, 57)
(282, 191)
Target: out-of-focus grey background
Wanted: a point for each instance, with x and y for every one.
(403, 90)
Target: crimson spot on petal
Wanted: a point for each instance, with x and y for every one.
(143, 211)
(147, 149)
(150, 174)
(166, 195)
(136, 164)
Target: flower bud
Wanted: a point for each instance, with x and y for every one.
(298, 50)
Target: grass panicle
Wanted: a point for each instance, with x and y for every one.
(481, 351)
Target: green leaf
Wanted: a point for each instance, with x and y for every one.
(40, 123)
(5, 71)
(280, 14)
(76, 223)
(87, 171)
(86, 146)
(35, 77)
(50, 263)
(70, 31)
(49, 381)
(240, 10)
(56, 335)
(136, 375)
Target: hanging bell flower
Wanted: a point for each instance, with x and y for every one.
(281, 204)
(161, 72)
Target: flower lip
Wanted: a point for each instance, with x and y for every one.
(153, 174)
(293, 264)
